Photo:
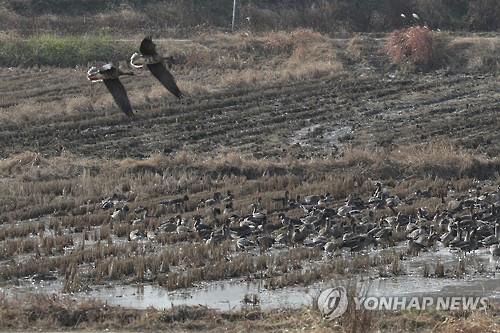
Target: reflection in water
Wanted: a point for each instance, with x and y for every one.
(223, 296)
(229, 295)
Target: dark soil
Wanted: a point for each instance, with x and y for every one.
(377, 110)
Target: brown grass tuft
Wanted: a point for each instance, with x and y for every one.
(473, 54)
(355, 47)
(414, 47)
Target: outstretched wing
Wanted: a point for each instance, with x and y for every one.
(147, 48)
(119, 94)
(163, 75)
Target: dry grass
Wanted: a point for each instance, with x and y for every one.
(355, 47)
(439, 158)
(416, 47)
(245, 78)
(67, 191)
(300, 54)
(44, 313)
(311, 70)
(472, 54)
(410, 45)
(213, 63)
(240, 60)
(66, 182)
(29, 111)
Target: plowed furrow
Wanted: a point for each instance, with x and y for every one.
(404, 110)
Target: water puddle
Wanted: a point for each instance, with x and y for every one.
(320, 135)
(482, 279)
(300, 136)
(225, 295)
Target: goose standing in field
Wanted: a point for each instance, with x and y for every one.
(110, 75)
(495, 249)
(148, 56)
(494, 238)
(243, 243)
(120, 213)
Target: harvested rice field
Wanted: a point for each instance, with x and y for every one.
(272, 180)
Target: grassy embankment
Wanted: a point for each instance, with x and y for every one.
(43, 313)
(215, 62)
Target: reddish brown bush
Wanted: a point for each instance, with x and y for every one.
(413, 46)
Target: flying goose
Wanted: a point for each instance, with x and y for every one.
(109, 74)
(148, 56)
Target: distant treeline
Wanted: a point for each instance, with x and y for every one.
(321, 15)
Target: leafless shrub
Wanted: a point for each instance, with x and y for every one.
(414, 46)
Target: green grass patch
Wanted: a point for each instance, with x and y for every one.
(49, 50)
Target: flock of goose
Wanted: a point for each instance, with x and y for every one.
(464, 224)
(147, 55)
(467, 223)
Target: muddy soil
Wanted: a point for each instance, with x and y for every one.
(313, 117)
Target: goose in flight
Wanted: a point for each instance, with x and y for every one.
(110, 75)
(148, 56)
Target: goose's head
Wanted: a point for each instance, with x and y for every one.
(94, 75)
(137, 60)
